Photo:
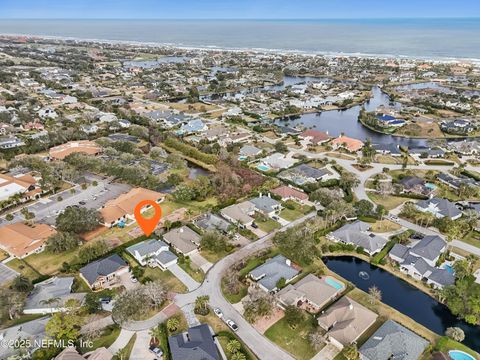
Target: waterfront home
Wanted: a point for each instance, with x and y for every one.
(60, 152)
(387, 149)
(272, 271)
(314, 136)
(345, 321)
(120, 211)
(415, 185)
(239, 214)
(20, 240)
(347, 143)
(440, 208)
(279, 161)
(457, 127)
(58, 288)
(197, 343)
(465, 147)
(393, 341)
(212, 222)
(266, 205)
(311, 293)
(386, 120)
(426, 152)
(456, 182)
(429, 248)
(154, 253)
(104, 273)
(358, 234)
(290, 193)
(183, 239)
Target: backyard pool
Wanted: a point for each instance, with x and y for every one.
(242, 158)
(430, 186)
(460, 355)
(449, 268)
(263, 167)
(334, 283)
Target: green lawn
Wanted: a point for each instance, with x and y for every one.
(196, 274)
(23, 268)
(390, 202)
(472, 238)
(108, 336)
(49, 263)
(166, 278)
(235, 298)
(297, 212)
(295, 341)
(268, 225)
(444, 344)
(213, 257)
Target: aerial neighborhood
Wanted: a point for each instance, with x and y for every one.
(313, 206)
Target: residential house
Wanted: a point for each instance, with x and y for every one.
(424, 152)
(57, 288)
(358, 234)
(82, 146)
(415, 185)
(456, 182)
(20, 240)
(154, 253)
(10, 142)
(303, 174)
(239, 214)
(314, 136)
(183, 239)
(349, 144)
(311, 293)
(197, 343)
(24, 185)
(345, 321)
(393, 341)
(33, 330)
(70, 353)
(89, 129)
(212, 222)
(269, 274)
(104, 273)
(193, 126)
(440, 208)
(123, 137)
(249, 151)
(278, 161)
(266, 205)
(120, 211)
(290, 193)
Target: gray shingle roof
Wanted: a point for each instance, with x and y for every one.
(57, 287)
(265, 203)
(429, 247)
(165, 257)
(146, 247)
(393, 341)
(212, 222)
(355, 233)
(102, 267)
(273, 270)
(400, 251)
(445, 208)
(442, 277)
(196, 344)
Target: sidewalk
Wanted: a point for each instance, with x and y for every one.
(181, 275)
(122, 341)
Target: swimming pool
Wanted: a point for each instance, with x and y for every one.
(449, 268)
(430, 186)
(334, 283)
(263, 167)
(242, 158)
(460, 355)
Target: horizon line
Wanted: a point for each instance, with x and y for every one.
(253, 18)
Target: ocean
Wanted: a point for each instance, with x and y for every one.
(422, 38)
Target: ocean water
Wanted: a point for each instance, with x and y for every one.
(426, 38)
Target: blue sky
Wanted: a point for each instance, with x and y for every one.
(238, 9)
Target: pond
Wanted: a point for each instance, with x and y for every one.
(404, 297)
(195, 171)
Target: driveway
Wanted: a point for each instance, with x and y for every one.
(6, 274)
(121, 341)
(327, 353)
(140, 349)
(184, 277)
(201, 262)
(188, 311)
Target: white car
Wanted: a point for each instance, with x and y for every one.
(133, 278)
(218, 312)
(231, 324)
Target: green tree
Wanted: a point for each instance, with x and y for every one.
(233, 346)
(65, 325)
(173, 324)
(61, 242)
(214, 241)
(78, 220)
(238, 356)
(293, 316)
(22, 284)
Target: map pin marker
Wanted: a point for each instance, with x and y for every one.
(147, 224)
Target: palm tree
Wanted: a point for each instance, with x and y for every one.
(51, 301)
(172, 324)
(375, 294)
(201, 302)
(238, 356)
(156, 333)
(233, 346)
(122, 353)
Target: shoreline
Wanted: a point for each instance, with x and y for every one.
(211, 48)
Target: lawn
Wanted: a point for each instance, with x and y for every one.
(293, 214)
(128, 348)
(295, 341)
(472, 238)
(3, 255)
(49, 263)
(390, 202)
(235, 298)
(196, 274)
(384, 226)
(20, 320)
(166, 278)
(23, 268)
(444, 344)
(213, 257)
(267, 224)
(108, 336)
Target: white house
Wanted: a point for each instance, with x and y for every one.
(154, 253)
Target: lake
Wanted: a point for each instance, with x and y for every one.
(404, 297)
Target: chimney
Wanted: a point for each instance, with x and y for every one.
(350, 306)
(269, 195)
(260, 195)
(288, 262)
(180, 230)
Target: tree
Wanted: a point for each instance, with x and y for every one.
(281, 147)
(214, 241)
(27, 214)
(238, 356)
(316, 339)
(258, 304)
(22, 284)
(155, 292)
(173, 324)
(92, 251)
(61, 242)
(293, 316)
(184, 193)
(455, 333)
(11, 303)
(233, 346)
(156, 333)
(363, 208)
(78, 220)
(368, 151)
(375, 294)
(201, 305)
(65, 325)
(350, 352)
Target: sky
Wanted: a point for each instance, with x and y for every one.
(237, 9)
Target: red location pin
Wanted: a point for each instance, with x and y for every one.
(147, 225)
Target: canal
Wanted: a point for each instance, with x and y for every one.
(402, 296)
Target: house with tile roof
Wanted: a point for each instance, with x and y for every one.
(88, 147)
(347, 143)
(21, 240)
(314, 136)
(121, 209)
(25, 185)
(290, 193)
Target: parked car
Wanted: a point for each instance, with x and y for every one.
(157, 351)
(82, 202)
(231, 324)
(105, 300)
(133, 278)
(275, 218)
(218, 312)
(255, 226)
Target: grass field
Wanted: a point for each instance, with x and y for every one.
(295, 341)
(166, 278)
(108, 336)
(267, 225)
(384, 226)
(390, 202)
(23, 268)
(472, 238)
